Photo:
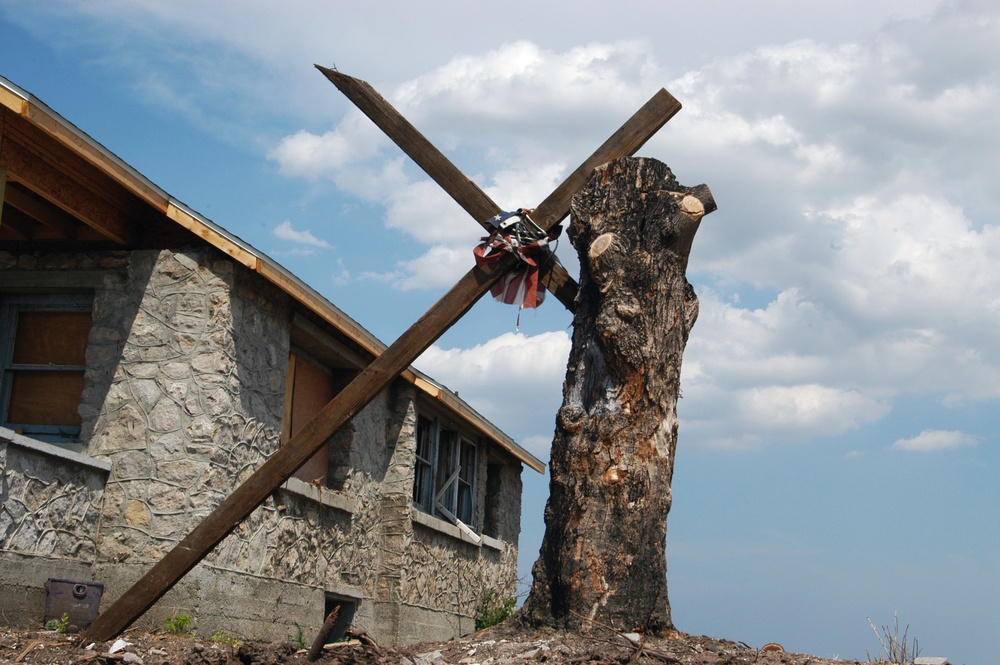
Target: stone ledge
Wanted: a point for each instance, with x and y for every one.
(51, 450)
(492, 543)
(450, 529)
(320, 495)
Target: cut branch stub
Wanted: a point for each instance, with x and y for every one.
(602, 557)
(602, 244)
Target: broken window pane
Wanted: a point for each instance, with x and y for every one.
(447, 462)
(444, 478)
(466, 484)
(422, 486)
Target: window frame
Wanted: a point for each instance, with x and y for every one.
(465, 489)
(423, 466)
(442, 486)
(11, 306)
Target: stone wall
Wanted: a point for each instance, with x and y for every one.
(195, 402)
(50, 503)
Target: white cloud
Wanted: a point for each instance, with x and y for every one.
(882, 284)
(440, 266)
(513, 108)
(812, 409)
(428, 215)
(286, 231)
(531, 98)
(876, 281)
(931, 440)
(519, 106)
(513, 379)
(845, 204)
(309, 155)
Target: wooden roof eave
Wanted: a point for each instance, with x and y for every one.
(32, 109)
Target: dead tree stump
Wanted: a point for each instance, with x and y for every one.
(603, 554)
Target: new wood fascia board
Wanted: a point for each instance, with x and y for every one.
(211, 236)
(12, 100)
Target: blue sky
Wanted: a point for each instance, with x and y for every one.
(838, 453)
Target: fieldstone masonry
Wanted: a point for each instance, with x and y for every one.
(183, 399)
(50, 505)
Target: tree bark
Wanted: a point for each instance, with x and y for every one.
(603, 555)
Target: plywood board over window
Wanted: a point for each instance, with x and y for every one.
(43, 350)
(309, 386)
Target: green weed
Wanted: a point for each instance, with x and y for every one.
(223, 637)
(299, 641)
(493, 608)
(60, 625)
(178, 624)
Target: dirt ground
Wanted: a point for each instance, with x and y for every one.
(505, 644)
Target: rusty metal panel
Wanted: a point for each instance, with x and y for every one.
(81, 601)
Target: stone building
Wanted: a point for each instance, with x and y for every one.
(151, 361)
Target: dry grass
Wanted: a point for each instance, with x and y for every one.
(893, 644)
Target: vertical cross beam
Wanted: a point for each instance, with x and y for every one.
(367, 385)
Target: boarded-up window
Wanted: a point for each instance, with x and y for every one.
(308, 390)
(44, 358)
(309, 387)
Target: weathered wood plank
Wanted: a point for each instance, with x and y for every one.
(364, 388)
(15, 225)
(73, 166)
(57, 219)
(3, 171)
(465, 192)
(441, 170)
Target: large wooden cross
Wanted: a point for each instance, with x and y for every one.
(401, 354)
